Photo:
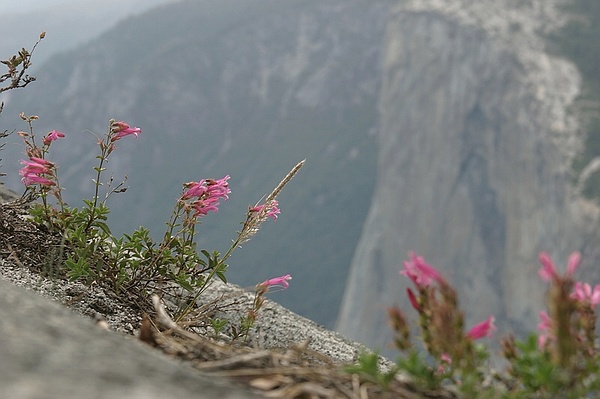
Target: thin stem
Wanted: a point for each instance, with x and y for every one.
(104, 148)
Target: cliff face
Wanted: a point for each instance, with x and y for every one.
(474, 154)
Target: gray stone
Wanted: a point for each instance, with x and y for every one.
(6, 194)
(48, 352)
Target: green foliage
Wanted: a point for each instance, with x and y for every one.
(416, 366)
(368, 368)
(535, 369)
(218, 325)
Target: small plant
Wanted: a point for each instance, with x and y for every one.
(260, 291)
(563, 361)
(368, 368)
(16, 76)
(134, 263)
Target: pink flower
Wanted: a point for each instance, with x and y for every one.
(445, 360)
(483, 329)
(421, 274)
(207, 192)
(122, 129)
(272, 210)
(548, 270)
(276, 282)
(545, 323)
(413, 299)
(582, 292)
(203, 207)
(35, 172)
(30, 179)
(195, 189)
(53, 135)
(573, 263)
(545, 327)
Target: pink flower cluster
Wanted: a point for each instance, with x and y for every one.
(424, 276)
(37, 171)
(204, 195)
(419, 272)
(548, 270)
(582, 293)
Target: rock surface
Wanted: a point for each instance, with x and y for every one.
(48, 352)
(474, 158)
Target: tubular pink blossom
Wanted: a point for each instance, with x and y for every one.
(421, 274)
(574, 261)
(30, 179)
(545, 327)
(53, 135)
(483, 329)
(413, 299)
(272, 211)
(122, 129)
(195, 189)
(548, 270)
(281, 281)
(33, 167)
(545, 323)
(41, 161)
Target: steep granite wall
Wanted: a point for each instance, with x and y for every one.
(474, 154)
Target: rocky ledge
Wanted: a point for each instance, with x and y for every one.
(49, 350)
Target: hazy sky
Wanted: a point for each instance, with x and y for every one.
(19, 6)
(67, 22)
(13, 6)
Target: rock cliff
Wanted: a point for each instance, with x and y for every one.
(474, 162)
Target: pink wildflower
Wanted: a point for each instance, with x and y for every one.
(277, 282)
(272, 210)
(53, 135)
(573, 263)
(545, 326)
(582, 292)
(445, 361)
(35, 172)
(421, 274)
(122, 129)
(548, 270)
(484, 329)
(413, 299)
(195, 189)
(207, 193)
